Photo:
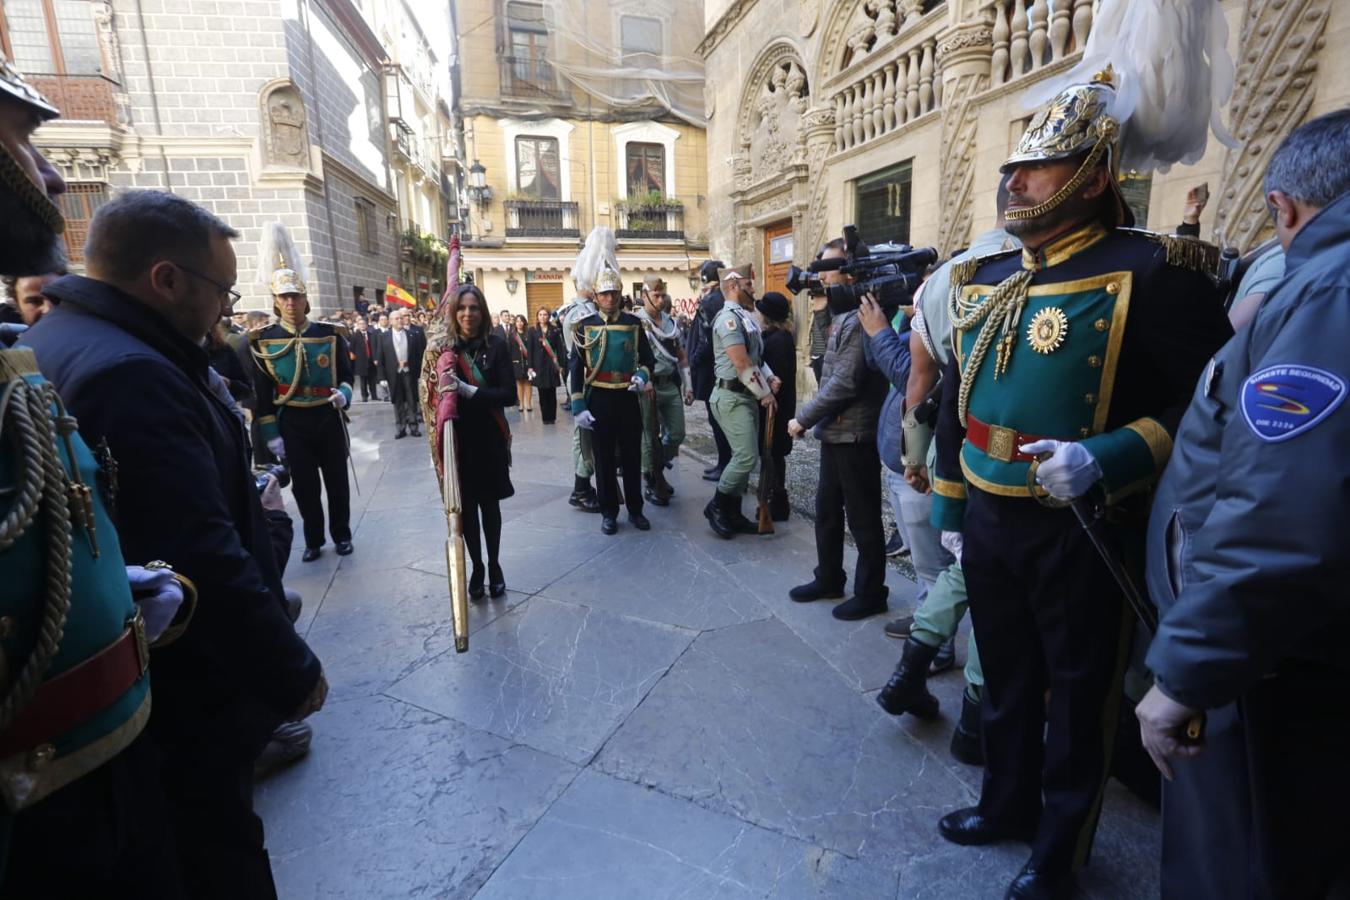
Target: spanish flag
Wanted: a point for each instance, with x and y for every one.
(395, 294)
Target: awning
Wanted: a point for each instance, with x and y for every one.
(501, 259)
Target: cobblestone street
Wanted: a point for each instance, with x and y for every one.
(643, 716)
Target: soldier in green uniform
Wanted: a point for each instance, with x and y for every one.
(744, 383)
(303, 382)
(82, 812)
(670, 381)
(1074, 358)
(611, 364)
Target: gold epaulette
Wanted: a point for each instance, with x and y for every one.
(1184, 252)
(342, 330)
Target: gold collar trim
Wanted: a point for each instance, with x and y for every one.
(295, 331)
(1063, 248)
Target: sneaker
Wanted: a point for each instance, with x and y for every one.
(899, 628)
(945, 658)
(895, 546)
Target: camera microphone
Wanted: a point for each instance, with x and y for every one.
(829, 265)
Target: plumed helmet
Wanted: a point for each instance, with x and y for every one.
(1073, 122)
(608, 281)
(12, 84)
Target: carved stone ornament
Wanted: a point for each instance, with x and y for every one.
(285, 132)
(981, 38)
(776, 99)
(1277, 67)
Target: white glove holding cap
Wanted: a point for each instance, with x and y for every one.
(584, 419)
(338, 399)
(1070, 471)
(158, 595)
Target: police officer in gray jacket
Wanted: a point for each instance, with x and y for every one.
(1249, 562)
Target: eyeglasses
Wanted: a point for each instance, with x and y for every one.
(224, 289)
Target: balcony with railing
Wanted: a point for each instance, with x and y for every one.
(530, 78)
(653, 222)
(83, 98)
(542, 219)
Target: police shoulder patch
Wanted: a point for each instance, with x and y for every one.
(1282, 402)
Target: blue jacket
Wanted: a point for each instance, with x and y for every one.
(888, 353)
(1255, 502)
(186, 495)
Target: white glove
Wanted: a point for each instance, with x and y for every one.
(338, 399)
(158, 594)
(531, 373)
(465, 389)
(278, 448)
(585, 419)
(636, 383)
(953, 544)
(1069, 473)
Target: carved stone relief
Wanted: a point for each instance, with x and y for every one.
(285, 131)
(111, 48)
(775, 122)
(964, 56)
(1277, 64)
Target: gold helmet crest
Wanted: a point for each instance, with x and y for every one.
(607, 281)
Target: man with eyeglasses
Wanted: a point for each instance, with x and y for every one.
(124, 349)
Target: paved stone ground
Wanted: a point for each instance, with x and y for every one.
(643, 716)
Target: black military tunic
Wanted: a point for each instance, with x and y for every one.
(294, 380)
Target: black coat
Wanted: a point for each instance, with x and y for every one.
(547, 372)
(700, 345)
(226, 362)
(364, 346)
(780, 353)
(417, 348)
(517, 345)
(187, 496)
(483, 448)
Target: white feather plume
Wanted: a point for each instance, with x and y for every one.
(1173, 77)
(275, 246)
(600, 249)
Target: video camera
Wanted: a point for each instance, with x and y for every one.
(280, 471)
(889, 272)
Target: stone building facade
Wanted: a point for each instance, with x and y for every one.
(259, 110)
(896, 114)
(557, 160)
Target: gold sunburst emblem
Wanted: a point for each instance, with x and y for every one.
(1048, 329)
(321, 360)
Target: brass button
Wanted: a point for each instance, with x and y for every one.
(40, 757)
(1085, 432)
(1089, 399)
(6, 626)
(1113, 287)
(1100, 325)
(1094, 362)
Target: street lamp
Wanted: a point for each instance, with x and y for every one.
(511, 284)
(478, 189)
(693, 281)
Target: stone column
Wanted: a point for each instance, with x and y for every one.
(965, 54)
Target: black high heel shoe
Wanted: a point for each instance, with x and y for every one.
(476, 585)
(497, 583)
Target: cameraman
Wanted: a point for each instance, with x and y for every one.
(844, 415)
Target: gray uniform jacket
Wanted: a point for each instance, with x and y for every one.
(846, 408)
(1255, 503)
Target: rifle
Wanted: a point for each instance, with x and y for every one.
(660, 487)
(766, 473)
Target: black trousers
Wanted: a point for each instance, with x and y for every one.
(315, 443)
(404, 388)
(548, 404)
(1242, 819)
(367, 384)
(719, 438)
(104, 835)
(617, 436)
(1047, 616)
(849, 490)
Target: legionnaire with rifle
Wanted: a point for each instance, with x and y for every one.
(1079, 350)
(663, 408)
(303, 384)
(744, 383)
(611, 363)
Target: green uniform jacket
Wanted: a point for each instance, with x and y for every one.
(298, 370)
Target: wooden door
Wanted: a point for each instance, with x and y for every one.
(542, 294)
(778, 252)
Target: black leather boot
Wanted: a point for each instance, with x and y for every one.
(907, 691)
(779, 507)
(738, 519)
(966, 746)
(717, 514)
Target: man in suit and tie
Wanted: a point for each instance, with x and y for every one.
(401, 351)
(363, 346)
